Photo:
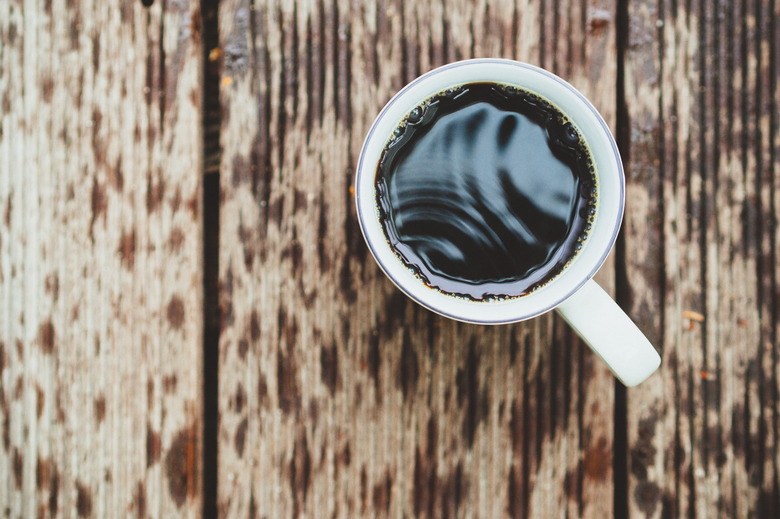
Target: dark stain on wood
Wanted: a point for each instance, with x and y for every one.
(300, 201)
(227, 317)
(155, 191)
(300, 470)
(47, 336)
(116, 177)
(382, 493)
(346, 282)
(175, 312)
(647, 496)
(453, 489)
(239, 399)
(252, 507)
(294, 252)
(243, 348)
(175, 201)
(249, 244)
(344, 456)
(323, 250)
(96, 50)
(98, 144)
(275, 211)
(169, 383)
(193, 205)
(83, 500)
(53, 286)
(329, 368)
(240, 438)
(3, 359)
(470, 399)
(40, 401)
(514, 347)
(9, 201)
(739, 429)
(6, 109)
(153, 446)
(408, 367)
(126, 14)
(597, 461)
(516, 427)
(643, 452)
(19, 388)
(176, 239)
(12, 33)
(45, 473)
(139, 499)
(127, 249)
(47, 89)
(394, 309)
(60, 407)
(254, 326)
(514, 502)
(262, 390)
(100, 409)
(99, 205)
(424, 485)
(181, 465)
(363, 489)
(571, 485)
(288, 391)
(767, 504)
(18, 468)
(425, 474)
(54, 489)
(6, 427)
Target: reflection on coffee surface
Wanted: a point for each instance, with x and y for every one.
(486, 191)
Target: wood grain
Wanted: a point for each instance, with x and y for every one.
(100, 259)
(702, 98)
(337, 395)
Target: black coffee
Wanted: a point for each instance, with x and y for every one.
(486, 191)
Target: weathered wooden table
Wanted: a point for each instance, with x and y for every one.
(190, 323)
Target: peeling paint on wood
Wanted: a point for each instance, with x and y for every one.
(340, 358)
(97, 131)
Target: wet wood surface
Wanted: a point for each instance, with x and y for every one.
(191, 324)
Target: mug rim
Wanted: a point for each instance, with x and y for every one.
(481, 306)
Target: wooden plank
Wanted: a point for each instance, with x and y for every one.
(100, 259)
(701, 241)
(337, 395)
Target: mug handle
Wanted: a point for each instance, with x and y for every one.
(610, 333)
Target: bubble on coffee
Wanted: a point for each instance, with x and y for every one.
(486, 191)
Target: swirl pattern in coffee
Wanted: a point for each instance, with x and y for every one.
(486, 191)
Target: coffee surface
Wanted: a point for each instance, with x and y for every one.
(485, 191)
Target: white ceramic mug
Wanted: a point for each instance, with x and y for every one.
(579, 300)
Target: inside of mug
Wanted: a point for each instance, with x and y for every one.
(609, 179)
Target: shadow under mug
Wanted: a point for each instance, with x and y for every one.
(588, 309)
